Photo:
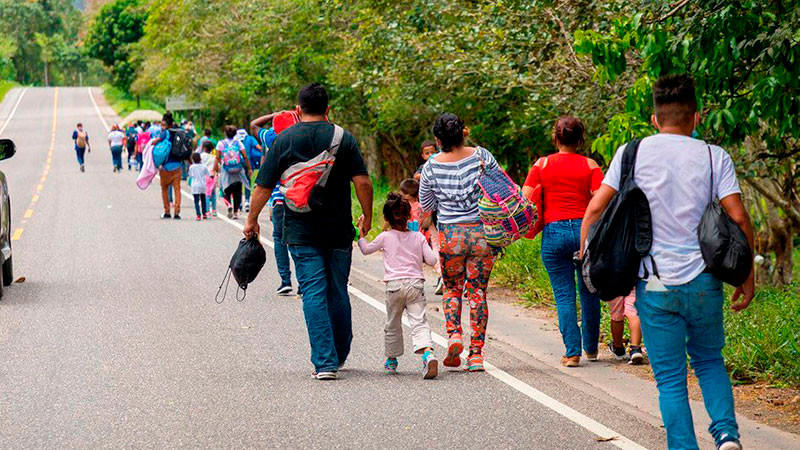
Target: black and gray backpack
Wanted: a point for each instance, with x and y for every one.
(621, 238)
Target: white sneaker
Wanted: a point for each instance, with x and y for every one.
(730, 445)
(430, 366)
(324, 375)
(247, 207)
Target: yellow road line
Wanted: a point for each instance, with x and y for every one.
(29, 212)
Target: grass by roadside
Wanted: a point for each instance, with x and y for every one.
(380, 189)
(125, 104)
(5, 86)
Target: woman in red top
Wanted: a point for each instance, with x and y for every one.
(561, 185)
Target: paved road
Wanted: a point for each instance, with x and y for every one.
(115, 339)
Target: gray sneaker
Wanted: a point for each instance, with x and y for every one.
(635, 355)
(327, 375)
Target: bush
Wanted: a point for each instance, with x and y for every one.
(5, 86)
(763, 341)
(521, 268)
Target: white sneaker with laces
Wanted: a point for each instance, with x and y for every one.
(324, 375)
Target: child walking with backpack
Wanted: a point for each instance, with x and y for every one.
(233, 170)
(404, 252)
(199, 174)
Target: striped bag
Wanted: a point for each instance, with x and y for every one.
(505, 213)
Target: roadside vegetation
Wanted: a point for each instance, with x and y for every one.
(5, 86)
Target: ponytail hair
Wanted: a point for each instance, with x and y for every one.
(397, 211)
(450, 130)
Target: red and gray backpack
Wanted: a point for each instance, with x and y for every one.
(303, 184)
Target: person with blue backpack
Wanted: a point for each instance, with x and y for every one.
(253, 150)
(234, 170)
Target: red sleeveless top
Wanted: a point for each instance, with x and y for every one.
(567, 183)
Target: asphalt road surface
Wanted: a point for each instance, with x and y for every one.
(114, 339)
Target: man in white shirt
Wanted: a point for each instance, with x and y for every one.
(681, 310)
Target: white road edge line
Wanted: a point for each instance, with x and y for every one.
(13, 111)
(97, 108)
(538, 396)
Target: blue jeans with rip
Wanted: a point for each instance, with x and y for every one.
(560, 241)
(688, 319)
(281, 252)
(323, 274)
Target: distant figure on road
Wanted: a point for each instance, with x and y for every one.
(253, 151)
(130, 144)
(116, 140)
(81, 139)
(320, 241)
(234, 170)
(170, 173)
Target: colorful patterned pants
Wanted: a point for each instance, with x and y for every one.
(467, 262)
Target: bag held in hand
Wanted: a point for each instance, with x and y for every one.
(303, 184)
(621, 238)
(246, 263)
(505, 213)
(723, 244)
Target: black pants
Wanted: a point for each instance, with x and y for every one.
(235, 191)
(200, 204)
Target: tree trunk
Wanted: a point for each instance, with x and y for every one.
(781, 243)
(46, 75)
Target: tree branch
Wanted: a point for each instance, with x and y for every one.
(789, 209)
(674, 11)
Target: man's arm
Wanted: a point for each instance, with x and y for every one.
(257, 202)
(734, 206)
(263, 120)
(595, 210)
(363, 186)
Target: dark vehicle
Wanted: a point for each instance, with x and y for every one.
(7, 150)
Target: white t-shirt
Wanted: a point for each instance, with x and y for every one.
(673, 172)
(116, 138)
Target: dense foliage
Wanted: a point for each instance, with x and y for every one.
(39, 42)
(116, 27)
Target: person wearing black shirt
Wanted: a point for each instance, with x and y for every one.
(320, 241)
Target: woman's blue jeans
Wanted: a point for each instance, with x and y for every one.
(116, 156)
(688, 319)
(560, 241)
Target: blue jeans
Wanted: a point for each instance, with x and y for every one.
(79, 152)
(560, 241)
(211, 201)
(281, 252)
(323, 274)
(139, 161)
(116, 156)
(688, 318)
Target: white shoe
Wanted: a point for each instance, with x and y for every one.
(730, 445)
(324, 375)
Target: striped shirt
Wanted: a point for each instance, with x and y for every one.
(267, 137)
(451, 188)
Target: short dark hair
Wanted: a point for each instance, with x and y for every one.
(427, 143)
(410, 186)
(208, 146)
(207, 132)
(313, 99)
(396, 211)
(170, 121)
(568, 131)
(674, 99)
(230, 131)
(147, 125)
(450, 130)
(79, 124)
(196, 158)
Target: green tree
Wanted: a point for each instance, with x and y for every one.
(117, 26)
(745, 56)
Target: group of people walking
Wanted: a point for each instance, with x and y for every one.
(679, 305)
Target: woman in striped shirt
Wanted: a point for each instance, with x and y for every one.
(449, 185)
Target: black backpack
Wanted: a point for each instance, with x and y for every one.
(181, 144)
(621, 238)
(723, 244)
